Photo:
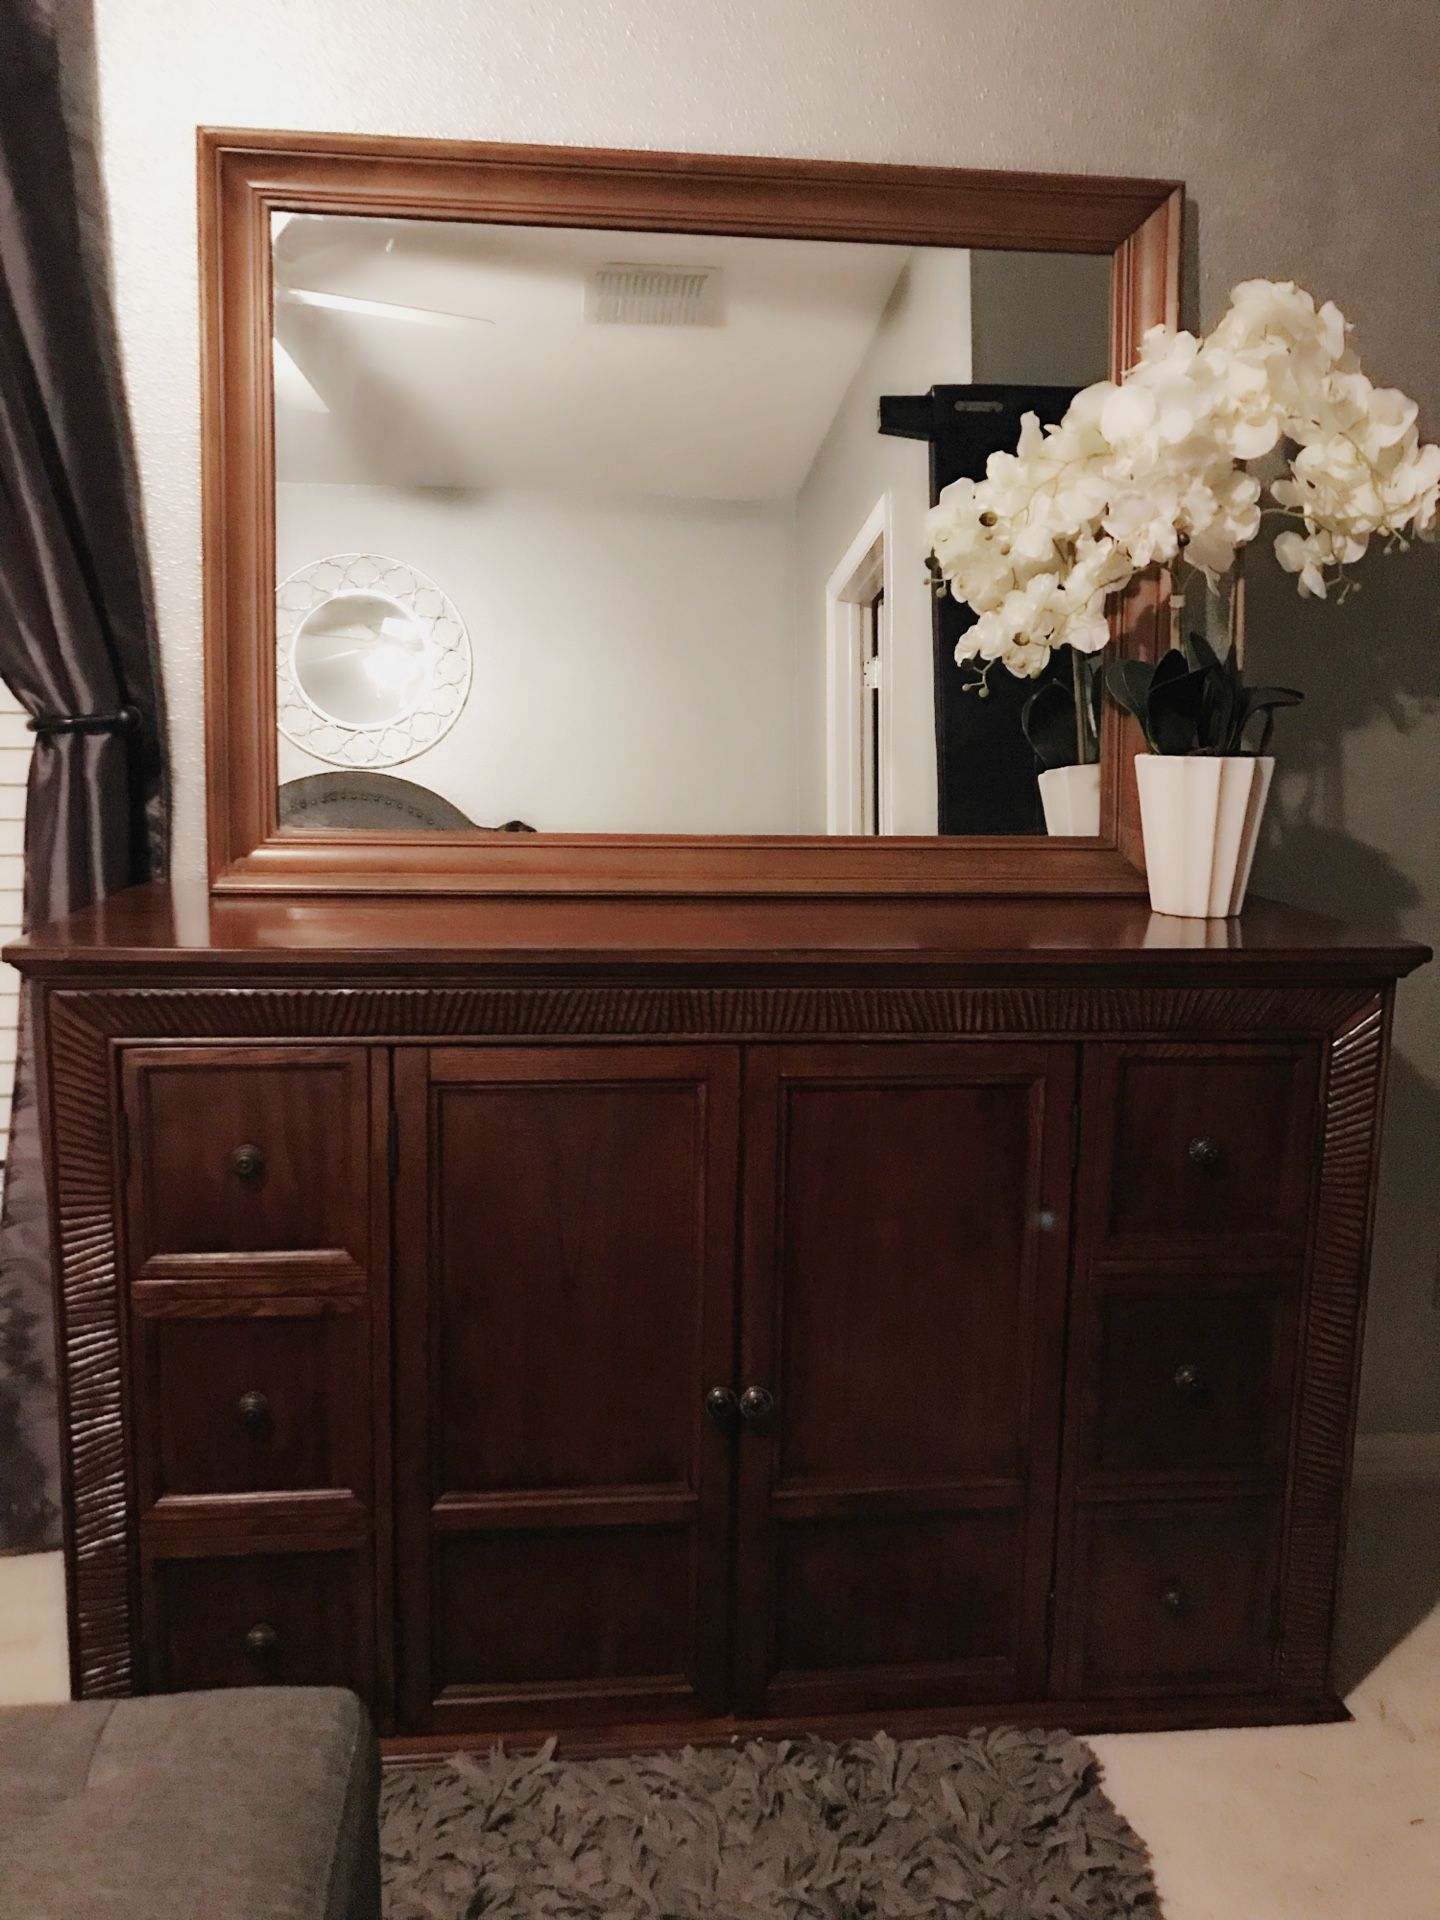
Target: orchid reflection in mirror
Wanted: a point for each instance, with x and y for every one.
(1061, 720)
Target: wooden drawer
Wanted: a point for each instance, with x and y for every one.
(1186, 1379)
(247, 1162)
(1202, 1150)
(1174, 1598)
(268, 1402)
(286, 1618)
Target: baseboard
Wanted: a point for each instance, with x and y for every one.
(1398, 1459)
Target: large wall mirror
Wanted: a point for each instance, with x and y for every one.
(566, 515)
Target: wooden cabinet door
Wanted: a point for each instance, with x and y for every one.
(565, 1262)
(906, 1219)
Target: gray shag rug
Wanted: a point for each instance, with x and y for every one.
(1001, 1824)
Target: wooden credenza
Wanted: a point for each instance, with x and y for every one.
(632, 1316)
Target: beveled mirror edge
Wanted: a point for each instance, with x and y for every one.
(245, 175)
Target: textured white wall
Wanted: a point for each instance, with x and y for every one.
(1305, 130)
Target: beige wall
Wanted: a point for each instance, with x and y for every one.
(1305, 130)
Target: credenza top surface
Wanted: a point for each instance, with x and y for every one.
(181, 931)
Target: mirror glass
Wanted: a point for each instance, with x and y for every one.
(361, 659)
(610, 532)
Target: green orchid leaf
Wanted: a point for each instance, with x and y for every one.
(1174, 711)
(1258, 697)
(1171, 666)
(1261, 704)
(1129, 684)
(1202, 654)
(1222, 710)
(1048, 718)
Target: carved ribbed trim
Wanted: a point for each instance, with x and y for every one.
(102, 1522)
(644, 1011)
(1332, 1348)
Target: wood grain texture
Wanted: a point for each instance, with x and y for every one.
(243, 177)
(181, 934)
(1330, 1361)
(903, 1300)
(564, 1516)
(302, 1112)
(1333, 1004)
(100, 1529)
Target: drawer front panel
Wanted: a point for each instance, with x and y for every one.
(1178, 1597)
(1204, 1150)
(247, 1161)
(261, 1620)
(267, 1403)
(1188, 1380)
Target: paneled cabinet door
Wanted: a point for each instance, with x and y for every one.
(565, 1262)
(906, 1216)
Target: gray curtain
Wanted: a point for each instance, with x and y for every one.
(76, 636)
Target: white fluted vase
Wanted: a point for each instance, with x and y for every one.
(1071, 799)
(1201, 817)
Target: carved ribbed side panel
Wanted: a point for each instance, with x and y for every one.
(90, 1337)
(644, 1010)
(1332, 1346)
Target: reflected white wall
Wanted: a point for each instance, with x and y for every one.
(633, 659)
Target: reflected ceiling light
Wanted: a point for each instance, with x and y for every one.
(381, 309)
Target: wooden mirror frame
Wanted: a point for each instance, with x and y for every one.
(246, 176)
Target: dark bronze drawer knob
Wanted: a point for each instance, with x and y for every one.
(1205, 1154)
(252, 1410)
(262, 1640)
(247, 1162)
(756, 1403)
(722, 1405)
(1173, 1600)
(1190, 1382)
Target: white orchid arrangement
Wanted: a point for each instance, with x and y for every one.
(1159, 469)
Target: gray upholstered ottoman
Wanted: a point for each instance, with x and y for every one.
(258, 1804)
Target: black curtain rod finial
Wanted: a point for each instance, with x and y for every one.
(122, 720)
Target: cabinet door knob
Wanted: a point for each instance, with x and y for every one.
(252, 1410)
(1173, 1600)
(722, 1405)
(756, 1403)
(262, 1640)
(1205, 1153)
(247, 1162)
(1190, 1382)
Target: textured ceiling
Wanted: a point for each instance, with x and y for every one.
(531, 393)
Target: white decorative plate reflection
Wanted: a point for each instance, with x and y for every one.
(372, 661)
